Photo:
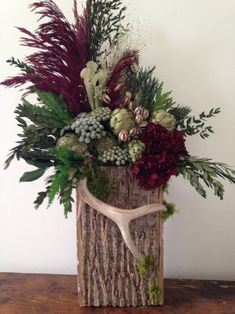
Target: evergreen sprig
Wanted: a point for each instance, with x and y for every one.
(41, 128)
(203, 170)
(21, 65)
(144, 85)
(180, 113)
(33, 146)
(163, 100)
(196, 125)
(105, 23)
(57, 107)
(63, 180)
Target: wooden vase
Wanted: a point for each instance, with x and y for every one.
(107, 272)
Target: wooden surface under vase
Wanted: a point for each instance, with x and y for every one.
(107, 275)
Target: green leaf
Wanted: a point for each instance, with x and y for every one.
(32, 175)
(39, 164)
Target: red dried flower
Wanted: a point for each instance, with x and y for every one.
(161, 156)
(62, 53)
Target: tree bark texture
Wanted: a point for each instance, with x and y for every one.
(107, 275)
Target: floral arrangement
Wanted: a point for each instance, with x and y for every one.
(96, 106)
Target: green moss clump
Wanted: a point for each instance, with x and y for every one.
(171, 210)
(143, 268)
(154, 292)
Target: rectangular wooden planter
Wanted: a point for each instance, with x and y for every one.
(107, 273)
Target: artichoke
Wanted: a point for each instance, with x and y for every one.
(165, 119)
(122, 120)
(70, 141)
(135, 149)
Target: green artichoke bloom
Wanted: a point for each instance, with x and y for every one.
(165, 119)
(135, 149)
(122, 120)
(70, 141)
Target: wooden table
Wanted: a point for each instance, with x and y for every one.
(56, 294)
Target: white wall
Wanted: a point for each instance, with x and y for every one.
(192, 44)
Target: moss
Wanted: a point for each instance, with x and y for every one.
(98, 182)
(144, 267)
(154, 292)
(171, 210)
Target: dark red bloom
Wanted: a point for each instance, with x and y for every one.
(161, 156)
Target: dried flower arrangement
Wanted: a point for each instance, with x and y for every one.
(93, 112)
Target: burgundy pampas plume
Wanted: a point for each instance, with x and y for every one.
(62, 52)
(118, 76)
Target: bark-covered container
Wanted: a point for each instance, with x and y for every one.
(107, 273)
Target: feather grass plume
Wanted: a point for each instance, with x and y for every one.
(62, 52)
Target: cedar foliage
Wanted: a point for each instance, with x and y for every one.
(144, 85)
(41, 128)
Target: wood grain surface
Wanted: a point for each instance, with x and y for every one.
(106, 270)
(56, 294)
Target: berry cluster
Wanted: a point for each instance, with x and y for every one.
(88, 128)
(115, 155)
(101, 114)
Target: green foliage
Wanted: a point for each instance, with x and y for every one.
(154, 292)
(62, 181)
(105, 23)
(171, 210)
(38, 115)
(21, 65)
(194, 125)
(203, 170)
(180, 113)
(144, 85)
(33, 146)
(57, 107)
(42, 134)
(144, 267)
(33, 175)
(163, 101)
(40, 199)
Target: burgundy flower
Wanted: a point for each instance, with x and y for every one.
(161, 156)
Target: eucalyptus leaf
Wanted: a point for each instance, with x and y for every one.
(33, 175)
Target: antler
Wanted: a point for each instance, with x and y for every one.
(122, 217)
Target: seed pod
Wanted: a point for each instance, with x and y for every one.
(106, 99)
(118, 87)
(139, 111)
(124, 136)
(145, 114)
(134, 132)
(126, 100)
(139, 119)
(143, 124)
(129, 95)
